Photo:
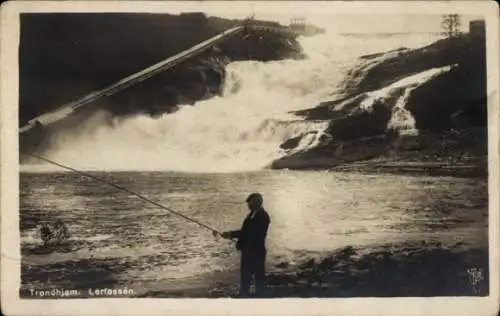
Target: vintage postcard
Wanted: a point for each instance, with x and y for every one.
(249, 158)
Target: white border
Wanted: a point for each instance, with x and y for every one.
(10, 240)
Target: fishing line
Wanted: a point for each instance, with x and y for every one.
(247, 30)
(123, 189)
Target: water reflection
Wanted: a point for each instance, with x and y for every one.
(312, 212)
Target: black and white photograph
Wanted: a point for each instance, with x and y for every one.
(252, 152)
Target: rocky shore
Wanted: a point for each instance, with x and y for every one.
(403, 270)
(451, 153)
(448, 109)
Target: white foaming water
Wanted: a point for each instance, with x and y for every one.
(401, 119)
(239, 131)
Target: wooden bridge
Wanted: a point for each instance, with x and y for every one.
(69, 108)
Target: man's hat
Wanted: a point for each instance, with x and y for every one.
(255, 196)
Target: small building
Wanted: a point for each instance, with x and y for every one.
(300, 25)
(477, 28)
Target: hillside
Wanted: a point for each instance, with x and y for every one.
(63, 57)
(425, 105)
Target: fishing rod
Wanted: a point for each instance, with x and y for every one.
(213, 230)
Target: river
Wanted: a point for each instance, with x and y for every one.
(119, 240)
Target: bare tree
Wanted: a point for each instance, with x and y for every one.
(451, 25)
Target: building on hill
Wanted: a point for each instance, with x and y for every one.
(477, 28)
(300, 26)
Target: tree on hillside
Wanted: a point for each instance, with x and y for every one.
(450, 24)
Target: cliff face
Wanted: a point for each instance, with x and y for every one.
(65, 56)
(406, 105)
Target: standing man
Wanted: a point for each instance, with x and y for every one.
(251, 241)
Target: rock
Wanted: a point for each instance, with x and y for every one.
(82, 51)
(283, 265)
(291, 143)
(455, 100)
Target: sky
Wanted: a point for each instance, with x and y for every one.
(336, 19)
(364, 23)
